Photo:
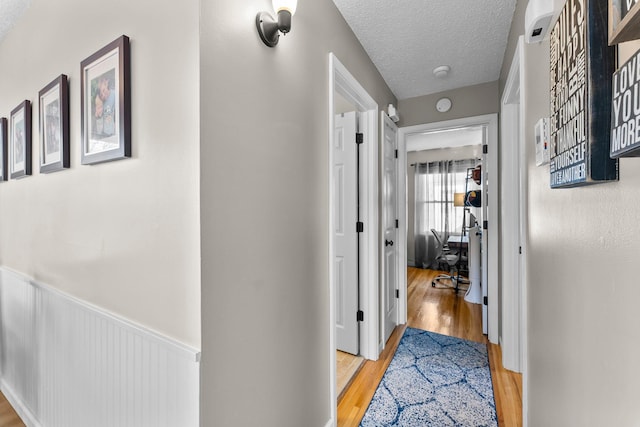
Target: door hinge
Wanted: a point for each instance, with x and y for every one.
(360, 316)
(486, 301)
(397, 293)
(485, 149)
(359, 227)
(396, 154)
(520, 250)
(485, 225)
(397, 224)
(359, 138)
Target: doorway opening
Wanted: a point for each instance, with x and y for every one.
(486, 127)
(345, 89)
(514, 245)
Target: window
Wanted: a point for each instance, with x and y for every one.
(436, 183)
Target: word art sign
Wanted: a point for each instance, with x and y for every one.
(626, 6)
(580, 96)
(625, 110)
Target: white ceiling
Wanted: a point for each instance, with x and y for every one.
(10, 11)
(407, 39)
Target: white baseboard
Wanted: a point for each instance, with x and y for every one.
(25, 415)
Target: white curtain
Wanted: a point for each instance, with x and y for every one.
(435, 184)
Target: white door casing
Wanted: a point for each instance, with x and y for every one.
(485, 236)
(389, 231)
(490, 122)
(341, 81)
(514, 220)
(345, 267)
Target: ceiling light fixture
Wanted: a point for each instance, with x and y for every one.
(442, 71)
(270, 28)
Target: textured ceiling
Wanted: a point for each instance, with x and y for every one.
(10, 11)
(407, 39)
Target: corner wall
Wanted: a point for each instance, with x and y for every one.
(123, 236)
(264, 210)
(468, 101)
(583, 337)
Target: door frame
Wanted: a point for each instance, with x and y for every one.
(491, 123)
(512, 110)
(514, 334)
(341, 80)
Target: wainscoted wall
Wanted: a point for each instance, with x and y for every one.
(64, 363)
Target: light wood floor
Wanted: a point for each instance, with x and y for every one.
(441, 311)
(347, 366)
(8, 417)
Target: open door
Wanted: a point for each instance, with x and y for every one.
(485, 235)
(389, 221)
(345, 184)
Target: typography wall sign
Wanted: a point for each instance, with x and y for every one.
(624, 21)
(625, 7)
(581, 64)
(625, 109)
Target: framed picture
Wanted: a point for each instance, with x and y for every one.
(4, 145)
(106, 103)
(54, 125)
(20, 141)
(624, 21)
(581, 64)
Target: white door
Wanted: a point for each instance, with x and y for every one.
(389, 223)
(345, 182)
(485, 236)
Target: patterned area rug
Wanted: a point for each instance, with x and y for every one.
(434, 380)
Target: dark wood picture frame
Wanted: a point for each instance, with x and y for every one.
(105, 91)
(624, 25)
(53, 102)
(20, 141)
(4, 146)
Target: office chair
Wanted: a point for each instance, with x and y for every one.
(450, 260)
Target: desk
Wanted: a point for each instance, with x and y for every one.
(454, 242)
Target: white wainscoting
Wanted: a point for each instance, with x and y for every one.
(65, 363)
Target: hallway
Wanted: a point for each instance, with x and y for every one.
(441, 311)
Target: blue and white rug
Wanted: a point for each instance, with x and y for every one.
(434, 380)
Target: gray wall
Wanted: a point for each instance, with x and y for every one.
(124, 235)
(468, 101)
(264, 210)
(584, 340)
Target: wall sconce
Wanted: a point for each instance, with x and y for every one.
(269, 28)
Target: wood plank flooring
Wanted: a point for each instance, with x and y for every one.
(444, 312)
(347, 366)
(8, 417)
